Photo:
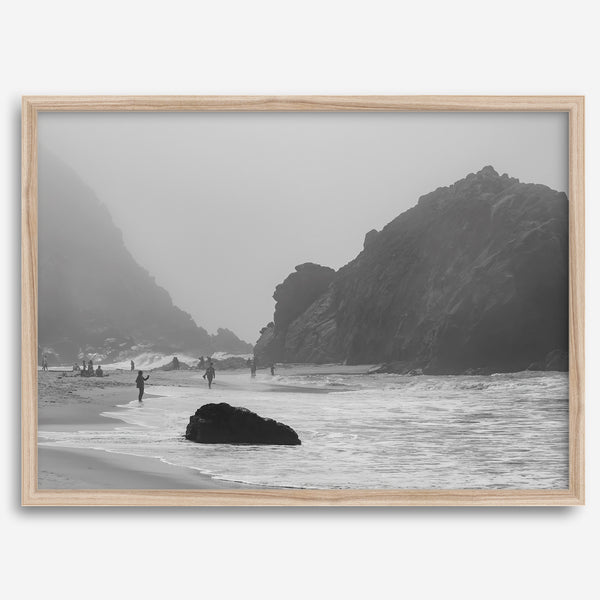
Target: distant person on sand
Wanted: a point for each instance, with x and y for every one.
(83, 367)
(272, 369)
(90, 368)
(253, 368)
(132, 366)
(99, 371)
(176, 363)
(209, 375)
(139, 383)
(44, 364)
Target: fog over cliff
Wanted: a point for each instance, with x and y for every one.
(474, 278)
(220, 207)
(93, 297)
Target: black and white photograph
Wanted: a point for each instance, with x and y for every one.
(303, 300)
(299, 299)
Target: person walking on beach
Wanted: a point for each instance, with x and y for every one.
(253, 369)
(209, 375)
(45, 364)
(272, 369)
(132, 366)
(139, 383)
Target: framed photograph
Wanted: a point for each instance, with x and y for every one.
(352, 300)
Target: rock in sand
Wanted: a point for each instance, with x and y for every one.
(226, 424)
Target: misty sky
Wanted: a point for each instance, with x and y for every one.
(220, 207)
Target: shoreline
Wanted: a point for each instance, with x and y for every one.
(101, 418)
(62, 467)
(70, 403)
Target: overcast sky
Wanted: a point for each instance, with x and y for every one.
(220, 207)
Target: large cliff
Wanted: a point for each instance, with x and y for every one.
(93, 297)
(293, 297)
(474, 277)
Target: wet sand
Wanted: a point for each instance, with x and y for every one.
(68, 403)
(76, 469)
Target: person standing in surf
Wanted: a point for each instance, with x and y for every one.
(209, 375)
(139, 383)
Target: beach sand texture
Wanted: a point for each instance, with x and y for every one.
(73, 403)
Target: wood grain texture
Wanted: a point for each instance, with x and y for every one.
(29, 297)
(302, 498)
(577, 301)
(302, 103)
(31, 496)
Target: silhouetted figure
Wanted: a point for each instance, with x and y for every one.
(201, 363)
(44, 364)
(139, 383)
(175, 363)
(83, 367)
(90, 368)
(253, 369)
(99, 371)
(209, 375)
(272, 369)
(132, 366)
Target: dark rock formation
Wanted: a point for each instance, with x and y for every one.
(293, 297)
(370, 237)
(225, 424)
(93, 296)
(231, 362)
(266, 350)
(174, 365)
(557, 360)
(473, 278)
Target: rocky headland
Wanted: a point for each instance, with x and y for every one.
(472, 279)
(292, 298)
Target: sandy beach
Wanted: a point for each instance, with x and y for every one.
(72, 403)
(356, 430)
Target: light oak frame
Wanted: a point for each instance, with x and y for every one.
(32, 496)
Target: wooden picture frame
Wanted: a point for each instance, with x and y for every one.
(32, 496)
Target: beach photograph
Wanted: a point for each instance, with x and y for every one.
(299, 300)
(303, 300)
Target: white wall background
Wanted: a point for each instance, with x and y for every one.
(315, 46)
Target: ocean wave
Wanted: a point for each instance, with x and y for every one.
(381, 432)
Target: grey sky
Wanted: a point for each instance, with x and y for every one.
(220, 207)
